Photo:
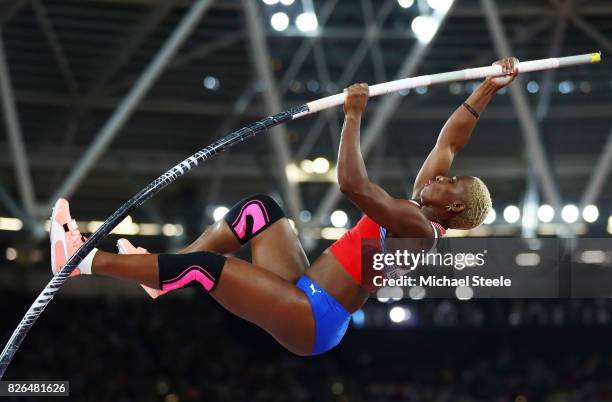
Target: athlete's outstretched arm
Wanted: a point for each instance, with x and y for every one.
(458, 128)
(400, 217)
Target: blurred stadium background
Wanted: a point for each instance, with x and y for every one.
(77, 78)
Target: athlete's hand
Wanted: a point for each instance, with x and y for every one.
(509, 66)
(356, 99)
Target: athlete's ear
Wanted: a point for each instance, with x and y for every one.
(457, 207)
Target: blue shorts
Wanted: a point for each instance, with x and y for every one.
(331, 319)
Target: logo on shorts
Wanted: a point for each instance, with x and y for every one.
(312, 287)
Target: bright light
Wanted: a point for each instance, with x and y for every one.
(270, 2)
(127, 227)
(305, 216)
(306, 165)
(399, 314)
(381, 297)
(385, 294)
(149, 229)
(440, 5)
(490, 217)
(593, 257)
(11, 254)
(590, 213)
(405, 3)
(211, 82)
(220, 212)
(424, 28)
(320, 165)
(286, 2)
(464, 292)
(11, 224)
(358, 318)
(533, 87)
(169, 230)
(331, 233)
(94, 225)
(279, 21)
(455, 88)
(527, 259)
(512, 214)
(417, 292)
(339, 218)
(421, 90)
(566, 87)
(546, 213)
(570, 213)
(307, 22)
(294, 173)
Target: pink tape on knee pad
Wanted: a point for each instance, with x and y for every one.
(257, 211)
(190, 274)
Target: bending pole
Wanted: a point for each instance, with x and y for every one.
(227, 142)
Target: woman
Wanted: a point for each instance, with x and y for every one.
(306, 308)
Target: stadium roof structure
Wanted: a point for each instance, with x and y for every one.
(69, 67)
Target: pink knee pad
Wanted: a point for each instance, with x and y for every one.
(252, 216)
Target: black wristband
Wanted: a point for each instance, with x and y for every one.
(471, 110)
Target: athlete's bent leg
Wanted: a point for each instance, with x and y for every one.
(259, 220)
(217, 238)
(141, 268)
(245, 220)
(244, 289)
(274, 245)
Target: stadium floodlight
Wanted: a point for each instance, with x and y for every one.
(490, 217)
(512, 214)
(220, 212)
(399, 314)
(570, 213)
(546, 213)
(279, 21)
(307, 22)
(339, 218)
(424, 28)
(590, 213)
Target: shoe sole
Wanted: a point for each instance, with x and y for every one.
(51, 232)
(120, 248)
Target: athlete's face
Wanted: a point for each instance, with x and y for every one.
(445, 193)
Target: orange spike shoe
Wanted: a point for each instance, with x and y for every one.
(66, 239)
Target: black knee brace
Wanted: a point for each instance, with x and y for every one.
(183, 270)
(253, 215)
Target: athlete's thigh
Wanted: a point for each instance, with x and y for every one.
(279, 250)
(269, 301)
(217, 238)
(276, 249)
